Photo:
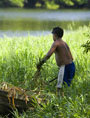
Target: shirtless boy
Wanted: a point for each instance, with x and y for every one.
(63, 58)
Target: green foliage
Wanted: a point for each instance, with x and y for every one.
(81, 1)
(72, 3)
(68, 2)
(49, 4)
(18, 58)
(7, 3)
(38, 5)
(19, 3)
(87, 44)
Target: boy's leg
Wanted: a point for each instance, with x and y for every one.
(59, 92)
(69, 73)
(60, 79)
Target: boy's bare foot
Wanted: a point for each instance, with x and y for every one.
(62, 94)
(58, 92)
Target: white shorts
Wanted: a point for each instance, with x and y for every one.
(60, 76)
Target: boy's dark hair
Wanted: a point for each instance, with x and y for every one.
(59, 31)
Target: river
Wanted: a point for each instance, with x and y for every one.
(21, 22)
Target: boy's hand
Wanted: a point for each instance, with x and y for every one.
(39, 66)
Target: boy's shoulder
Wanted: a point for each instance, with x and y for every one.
(59, 42)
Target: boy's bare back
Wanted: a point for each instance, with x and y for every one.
(62, 52)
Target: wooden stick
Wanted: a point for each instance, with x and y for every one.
(52, 80)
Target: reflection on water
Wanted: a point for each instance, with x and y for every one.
(19, 22)
(38, 25)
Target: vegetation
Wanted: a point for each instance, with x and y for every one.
(87, 44)
(18, 58)
(50, 4)
(11, 3)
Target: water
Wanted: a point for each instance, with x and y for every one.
(21, 22)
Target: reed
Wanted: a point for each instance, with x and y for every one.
(18, 59)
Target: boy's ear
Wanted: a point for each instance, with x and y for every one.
(56, 35)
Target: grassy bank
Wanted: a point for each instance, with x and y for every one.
(18, 58)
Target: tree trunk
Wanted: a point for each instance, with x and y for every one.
(88, 4)
(30, 4)
(6, 106)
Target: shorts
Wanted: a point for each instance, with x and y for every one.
(66, 74)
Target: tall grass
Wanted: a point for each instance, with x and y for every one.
(18, 58)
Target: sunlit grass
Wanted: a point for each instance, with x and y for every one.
(18, 58)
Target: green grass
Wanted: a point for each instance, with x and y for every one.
(18, 58)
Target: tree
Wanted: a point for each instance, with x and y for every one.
(19, 3)
(11, 3)
(46, 3)
(32, 3)
(71, 3)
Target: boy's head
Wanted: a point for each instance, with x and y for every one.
(57, 33)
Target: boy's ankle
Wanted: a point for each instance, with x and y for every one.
(59, 92)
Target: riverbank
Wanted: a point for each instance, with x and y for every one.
(18, 58)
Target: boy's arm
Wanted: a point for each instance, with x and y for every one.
(48, 55)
